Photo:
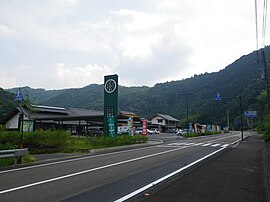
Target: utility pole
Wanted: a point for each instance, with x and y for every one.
(241, 116)
(266, 79)
(187, 94)
(219, 98)
(228, 119)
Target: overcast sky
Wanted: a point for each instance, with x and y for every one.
(56, 44)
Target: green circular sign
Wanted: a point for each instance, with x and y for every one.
(110, 86)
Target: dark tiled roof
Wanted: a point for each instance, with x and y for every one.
(167, 117)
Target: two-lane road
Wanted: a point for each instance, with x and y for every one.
(112, 176)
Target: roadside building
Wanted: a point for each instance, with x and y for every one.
(77, 121)
(164, 122)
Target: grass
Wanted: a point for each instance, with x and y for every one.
(40, 142)
(265, 129)
(198, 134)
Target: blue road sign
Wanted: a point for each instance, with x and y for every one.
(18, 96)
(218, 97)
(250, 114)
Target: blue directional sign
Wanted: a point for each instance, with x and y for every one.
(250, 114)
(18, 96)
(218, 97)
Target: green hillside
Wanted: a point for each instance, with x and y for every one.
(241, 77)
(6, 103)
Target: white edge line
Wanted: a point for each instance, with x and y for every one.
(166, 177)
(87, 171)
(74, 159)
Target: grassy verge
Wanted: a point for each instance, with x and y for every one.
(40, 142)
(265, 129)
(199, 134)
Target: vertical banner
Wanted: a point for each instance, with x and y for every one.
(110, 104)
(130, 126)
(144, 128)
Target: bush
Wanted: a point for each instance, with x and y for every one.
(266, 125)
(191, 134)
(62, 141)
(266, 136)
(107, 141)
(47, 139)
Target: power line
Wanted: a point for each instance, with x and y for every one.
(264, 21)
(262, 56)
(256, 22)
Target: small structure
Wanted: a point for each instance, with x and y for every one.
(78, 121)
(164, 121)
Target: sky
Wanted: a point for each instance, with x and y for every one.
(58, 44)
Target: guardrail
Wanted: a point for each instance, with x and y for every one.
(14, 153)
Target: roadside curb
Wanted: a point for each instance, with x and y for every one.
(266, 157)
(126, 147)
(94, 151)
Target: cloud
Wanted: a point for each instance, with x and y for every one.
(6, 32)
(143, 41)
(152, 49)
(7, 81)
(80, 76)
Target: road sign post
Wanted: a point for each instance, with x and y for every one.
(110, 105)
(19, 97)
(218, 97)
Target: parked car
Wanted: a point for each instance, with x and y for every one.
(150, 132)
(156, 131)
(138, 131)
(93, 131)
(182, 131)
(171, 130)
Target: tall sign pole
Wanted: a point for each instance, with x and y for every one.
(219, 98)
(19, 97)
(110, 105)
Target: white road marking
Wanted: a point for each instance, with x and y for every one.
(197, 144)
(88, 171)
(225, 145)
(215, 145)
(71, 160)
(165, 177)
(207, 144)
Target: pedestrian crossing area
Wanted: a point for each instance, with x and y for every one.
(202, 144)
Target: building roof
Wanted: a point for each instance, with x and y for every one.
(167, 117)
(39, 112)
(127, 113)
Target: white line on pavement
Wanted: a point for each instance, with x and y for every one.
(74, 159)
(88, 171)
(207, 144)
(166, 177)
(215, 145)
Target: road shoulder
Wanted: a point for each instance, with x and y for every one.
(237, 174)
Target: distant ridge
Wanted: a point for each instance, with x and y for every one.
(241, 77)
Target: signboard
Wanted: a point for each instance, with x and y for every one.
(250, 114)
(144, 128)
(28, 125)
(18, 96)
(218, 97)
(110, 104)
(130, 126)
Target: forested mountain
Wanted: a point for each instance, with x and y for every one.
(241, 77)
(6, 103)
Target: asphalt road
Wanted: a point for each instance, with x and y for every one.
(111, 176)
